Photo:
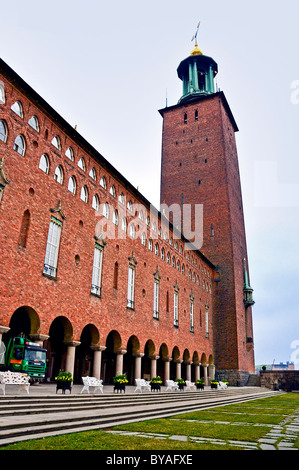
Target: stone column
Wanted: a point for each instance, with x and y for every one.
(212, 372)
(154, 365)
(97, 360)
(119, 361)
(197, 371)
(205, 373)
(3, 329)
(188, 370)
(39, 338)
(70, 356)
(166, 369)
(138, 357)
(178, 369)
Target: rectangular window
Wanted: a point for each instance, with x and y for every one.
(97, 270)
(207, 323)
(156, 299)
(131, 282)
(191, 317)
(51, 258)
(176, 309)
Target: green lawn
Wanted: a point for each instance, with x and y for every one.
(246, 422)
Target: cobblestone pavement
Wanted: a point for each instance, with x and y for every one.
(279, 437)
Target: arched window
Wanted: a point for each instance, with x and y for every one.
(72, 186)
(33, 122)
(150, 244)
(95, 202)
(173, 262)
(178, 266)
(44, 163)
(84, 194)
(129, 206)
(70, 154)
(154, 227)
(58, 176)
(112, 191)
(93, 174)
(132, 230)
(106, 210)
(156, 249)
(56, 142)
(115, 217)
(17, 108)
(183, 269)
(19, 145)
(81, 164)
(121, 198)
(162, 253)
(2, 94)
(103, 182)
(3, 130)
(124, 224)
(148, 221)
(140, 215)
(143, 238)
(168, 258)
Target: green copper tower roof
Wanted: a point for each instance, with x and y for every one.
(197, 73)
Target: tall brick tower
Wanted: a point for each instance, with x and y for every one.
(200, 166)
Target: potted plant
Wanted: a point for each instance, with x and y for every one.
(155, 383)
(181, 383)
(214, 383)
(200, 384)
(64, 381)
(120, 381)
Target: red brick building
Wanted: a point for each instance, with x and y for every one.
(98, 275)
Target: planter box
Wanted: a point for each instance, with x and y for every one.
(214, 385)
(181, 386)
(64, 386)
(200, 386)
(119, 387)
(155, 387)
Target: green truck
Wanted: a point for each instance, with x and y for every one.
(23, 355)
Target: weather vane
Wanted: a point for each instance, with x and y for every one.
(195, 35)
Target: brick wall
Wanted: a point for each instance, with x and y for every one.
(35, 193)
(200, 166)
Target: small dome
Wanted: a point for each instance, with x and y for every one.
(196, 51)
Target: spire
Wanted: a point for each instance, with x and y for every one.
(196, 51)
(197, 73)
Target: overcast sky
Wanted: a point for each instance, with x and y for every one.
(107, 67)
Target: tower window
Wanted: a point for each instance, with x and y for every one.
(17, 108)
(33, 122)
(44, 163)
(51, 257)
(19, 145)
(201, 81)
(185, 118)
(97, 271)
(3, 131)
(196, 115)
